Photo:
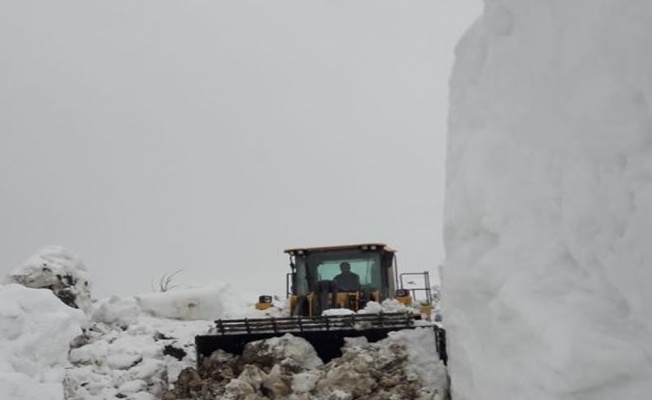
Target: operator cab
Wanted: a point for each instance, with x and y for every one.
(315, 281)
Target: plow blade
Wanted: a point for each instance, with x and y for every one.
(326, 334)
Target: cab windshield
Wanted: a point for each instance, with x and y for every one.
(321, 266)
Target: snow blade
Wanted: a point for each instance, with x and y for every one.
(326, 334)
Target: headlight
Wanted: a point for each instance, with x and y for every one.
(265, 299)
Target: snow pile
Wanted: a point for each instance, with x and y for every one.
(119, 350)
(136, 361)
(549, 203)
(388, 305)
(58, 269)
(118, 311)
(135, 347)
(207, 303)
(373, 307)
(402, 366)
(35, 334)
(128, 354)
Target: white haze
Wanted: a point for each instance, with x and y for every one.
(207, 136)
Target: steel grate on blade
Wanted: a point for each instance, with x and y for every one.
(307, 324)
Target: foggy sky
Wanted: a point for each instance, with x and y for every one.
(207, 136)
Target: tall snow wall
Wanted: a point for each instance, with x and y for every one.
(547, 288)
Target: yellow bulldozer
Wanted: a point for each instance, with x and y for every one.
(323, 279)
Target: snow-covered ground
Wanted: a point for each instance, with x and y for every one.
(142, 347)
(549, 203)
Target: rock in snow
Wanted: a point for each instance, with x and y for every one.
(549, 203)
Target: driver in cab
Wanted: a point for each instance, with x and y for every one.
(347, 281)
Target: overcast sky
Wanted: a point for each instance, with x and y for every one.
(208, 136)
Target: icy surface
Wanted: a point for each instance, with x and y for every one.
(549, 203)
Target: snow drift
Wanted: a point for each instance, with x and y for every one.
(549, 203)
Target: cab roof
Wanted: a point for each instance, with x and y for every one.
(365, 246)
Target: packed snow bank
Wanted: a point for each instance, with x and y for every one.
(549, 203)
(35, 334)
(58, 269)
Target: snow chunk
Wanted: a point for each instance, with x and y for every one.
(387, 306)
(132, 387)
(288, 351)
(58, 269)
(305, 382)
(404, 365)
(423, 360)
(200, 303)
(116, 310)
(337, 312)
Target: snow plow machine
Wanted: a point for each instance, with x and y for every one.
(335, 278)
